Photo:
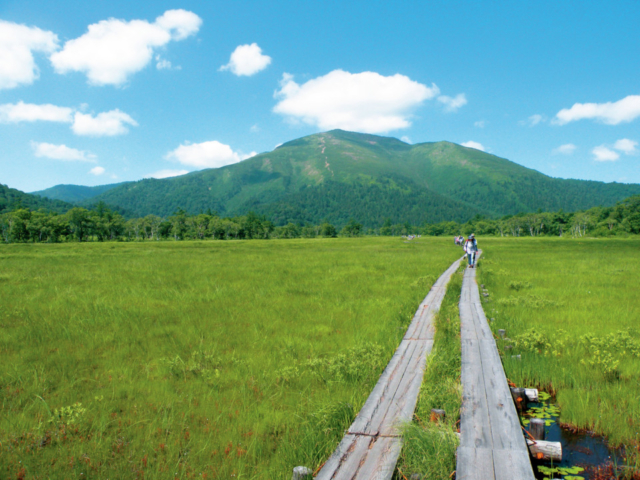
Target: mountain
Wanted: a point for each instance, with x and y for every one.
(340, 175)
(74, 193)
(10, 199)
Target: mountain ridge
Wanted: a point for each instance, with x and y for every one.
(341, 175)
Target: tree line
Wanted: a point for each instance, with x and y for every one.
(104, 224)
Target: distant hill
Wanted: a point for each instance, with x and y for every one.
(11, 199)
(340, 175)
(74, 193)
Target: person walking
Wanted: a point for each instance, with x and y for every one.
(471, 247)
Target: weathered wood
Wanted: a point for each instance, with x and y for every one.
(542, 450)
(502, 332)
(492, 445)
(536, 428)
(437, 415)
(302, 473)
(531, 393)
(519, 397)
(371, 447)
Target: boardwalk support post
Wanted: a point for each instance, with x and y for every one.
(437, 415)
(302, 473)
(519, 398)
(542, 450)
(536, 428)
(531, 393)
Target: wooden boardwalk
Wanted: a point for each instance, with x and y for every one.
(371, 446)
(492, 445)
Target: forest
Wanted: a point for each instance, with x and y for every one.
(101, 223)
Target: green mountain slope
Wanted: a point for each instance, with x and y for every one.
(340, 175)
(74, 193)
(11, 199)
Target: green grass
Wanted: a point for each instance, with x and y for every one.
(572, 310)
(429, 449)
(196, 359)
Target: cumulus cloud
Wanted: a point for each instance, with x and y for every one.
(611, 113)
(472, 144)
(366, 102)
(97, 171)
(17, 44)
(247, 60)
(626, 146)
(212, 154)
(105, 124)
(566, 149)
(451, 104)
(604, 154)
(406, 139)
(29, 112)
(167, 173)
(113, 49)
(61, 152)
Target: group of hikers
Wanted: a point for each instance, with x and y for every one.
(470, 247)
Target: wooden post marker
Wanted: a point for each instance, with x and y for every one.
(502, 332)
(519, 398)
(437, 415)
(536, 428)
(302, 473)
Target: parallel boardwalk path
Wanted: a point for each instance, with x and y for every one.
(371, 446)
(492, 445)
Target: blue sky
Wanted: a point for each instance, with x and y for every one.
(102, 92)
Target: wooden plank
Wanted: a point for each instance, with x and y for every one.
(511, 464)
(475, 464)
(351, 463)
(380, 391)
(371, 446)
(489, 423)
(332, 465)
(381, 459)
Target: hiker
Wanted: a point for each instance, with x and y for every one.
(471, 247)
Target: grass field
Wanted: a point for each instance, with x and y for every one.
(196, 360)
(572, 310)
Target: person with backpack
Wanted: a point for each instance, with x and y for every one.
(471, 247)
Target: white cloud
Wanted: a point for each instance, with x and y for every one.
(453, 103)
(162, 64)
(625, 145)
(406, 139)
(472, 144)
(104, 124)
(61, 152)
(604, 154)
(212, 154)
(17, 44)
(566, 149)
(97, 171)
(247, 60)
(112, 50)
(167, 173)
(255, 128)
(365, 102)
(611, 113)
(29, 112)
(480, 124)
(533, 120)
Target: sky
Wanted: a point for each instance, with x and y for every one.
(94, 93)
